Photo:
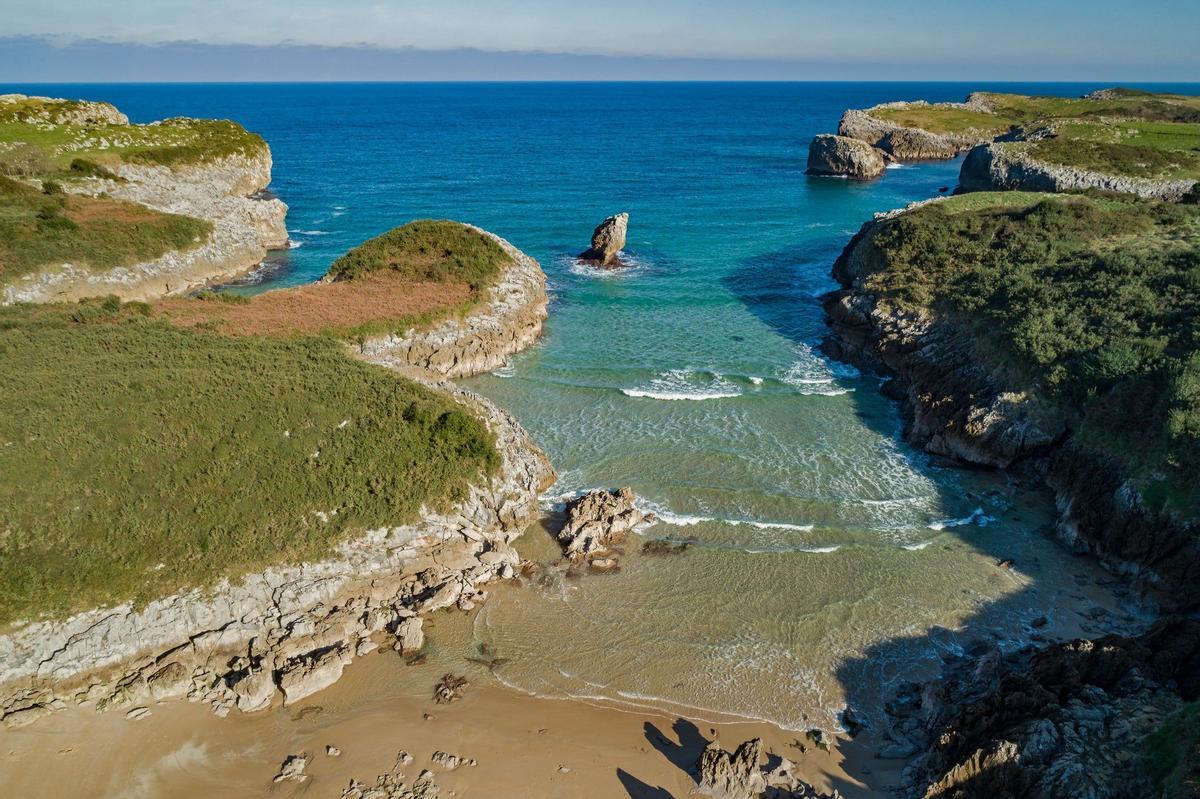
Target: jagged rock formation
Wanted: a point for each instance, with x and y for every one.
(843, 156)
(1003, 166)
(738, 775)
(288, 630)
(957, 407)
(607, 241)
(597, 520)
(913, 144)
(508, 321)
(76, 112)
(1063, 722)
(226, 191)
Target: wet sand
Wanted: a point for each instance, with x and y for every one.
(525, 746)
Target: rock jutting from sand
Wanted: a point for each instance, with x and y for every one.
(449, 688)
(293, 769)
(607, 241)
(841, 156)
(738, 775)
(597, 520)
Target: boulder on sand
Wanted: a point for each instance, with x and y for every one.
(843, 156)
(607, 241)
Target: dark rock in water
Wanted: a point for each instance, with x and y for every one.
(449, 689)
(607, 241)
(1006, 563)
(842, 156)
(663, 547)
(943, 189)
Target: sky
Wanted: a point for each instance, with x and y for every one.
(67, 40)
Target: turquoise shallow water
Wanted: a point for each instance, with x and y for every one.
(827, 558)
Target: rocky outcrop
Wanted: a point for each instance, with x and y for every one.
(844, 157)
(507, 321)
(958, 407)
(913, 144)
(1004, 166)
(1063, 722)
(49, 111)
(608, 240)
(739, 775)
(598, 520)
(227, 191)
(287, 631)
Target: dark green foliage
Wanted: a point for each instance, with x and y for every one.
(1093, 303)
(1171, 755)
(83, 168)
(436, 251)
(126, 443)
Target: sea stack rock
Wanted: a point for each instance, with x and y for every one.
(597, 520)
(843, 156)
(607, 241)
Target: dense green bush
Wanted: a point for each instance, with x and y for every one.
(437, 251)
(1093, 302)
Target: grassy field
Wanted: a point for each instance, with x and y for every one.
(1091, 303)
(1134, 148)
(39, 227)
(139, 458)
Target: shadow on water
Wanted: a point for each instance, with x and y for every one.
(782, 290)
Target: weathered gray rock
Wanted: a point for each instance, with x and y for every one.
(738, 775)
(308, 675)
(597, 520)
(293, 769)
(409, 636)
(1004, 166)
(843, 156)
(607, 241)
(450, 762)
(913, 144)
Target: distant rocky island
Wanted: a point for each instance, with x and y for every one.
(1044, 323)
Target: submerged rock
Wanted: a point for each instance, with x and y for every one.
(597, 520)
(607, 241)
(843, 156)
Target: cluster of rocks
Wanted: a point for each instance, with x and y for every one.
(287, 632)
(392, 785)
(608, 239)
(598, 521)
(508, 321)
(227, 191)
(1063, 722)
(740, 775)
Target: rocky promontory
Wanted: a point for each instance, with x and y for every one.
(907, 142)
(215, 172)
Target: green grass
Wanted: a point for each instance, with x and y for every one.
(139, 459)
(438, 251)
(1171, 755)
(1157, 150)
(39, 229)
(1091, 304)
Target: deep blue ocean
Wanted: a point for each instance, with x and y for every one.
(825, 549)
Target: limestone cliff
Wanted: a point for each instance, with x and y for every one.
(905, 143)
(1003, 166)
(959, 407)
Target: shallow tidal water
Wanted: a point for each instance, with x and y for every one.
(829, 559)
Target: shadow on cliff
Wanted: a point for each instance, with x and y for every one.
(783, 290)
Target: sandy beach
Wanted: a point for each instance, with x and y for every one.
(525, 746)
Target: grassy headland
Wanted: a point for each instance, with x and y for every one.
(1090, 303)
(412, 276)
(138, 458)
(42, 226)
(1122, 132)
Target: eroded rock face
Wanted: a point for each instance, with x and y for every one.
(607, 241)
(843, 156)
(1003, 166)
(912, 144)
(1063, 722)
(738, 775)
(509, 321)
(597, 520)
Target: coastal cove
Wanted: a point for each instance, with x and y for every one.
(825, 560)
